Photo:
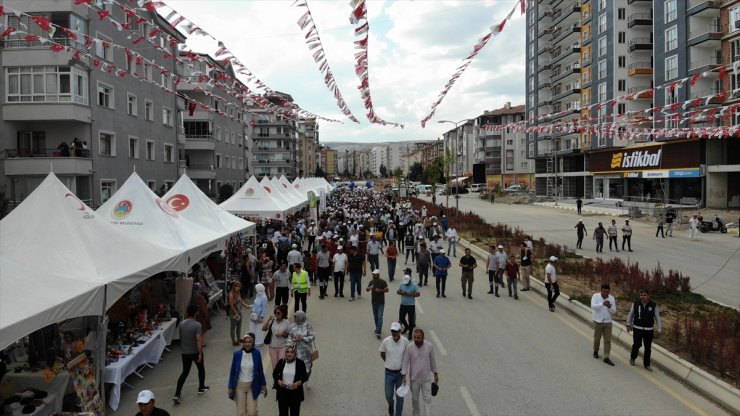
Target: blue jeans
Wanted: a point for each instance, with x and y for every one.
(378, 309)
(355, 280)
(392, 383)
(452, 248)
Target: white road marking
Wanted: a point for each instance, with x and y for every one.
(418, 307)
(469, 401)
(436, 340)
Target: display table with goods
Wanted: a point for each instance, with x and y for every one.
(139, 346)
(57, 385)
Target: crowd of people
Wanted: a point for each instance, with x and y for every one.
(358, 227)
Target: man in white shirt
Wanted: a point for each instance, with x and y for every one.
(603, 308)
(627, 235)
(391, 351)
(451, 235)
(294, 256)
(340, 269)
(612, 233)
(551, 283)
(693, 226)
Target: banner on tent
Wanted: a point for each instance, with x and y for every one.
(322, 199)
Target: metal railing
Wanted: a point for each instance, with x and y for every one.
(11, 153)
(698, 63)
(645, 65)
(648, 205)
(198, 136)
(639, 16)
(636, 89)
(641, 41)
(701, 30)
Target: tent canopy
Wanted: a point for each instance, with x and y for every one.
(57, 256)
(138, 211)
(301, 197)
(276, 193)
(189, 201)
(254, 201)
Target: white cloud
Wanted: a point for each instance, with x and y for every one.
(415, 46)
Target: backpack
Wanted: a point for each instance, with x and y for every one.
(283, 245)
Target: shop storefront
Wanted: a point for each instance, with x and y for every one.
(668, 172)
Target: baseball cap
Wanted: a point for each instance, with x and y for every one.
(145, 396)
(376, 271)
(395, 326)
(340, 248)
(295, 246)
(500, 246)
(442, 250)
(553, 258)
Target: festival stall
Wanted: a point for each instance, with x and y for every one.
(289, 196)
(301, 197)
(276, 194)
(253, 200)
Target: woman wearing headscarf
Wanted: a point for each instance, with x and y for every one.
(246, 377)
(301, 334)
(279, 324)
(289, 375)
(259, 310)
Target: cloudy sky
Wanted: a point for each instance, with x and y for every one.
(414, 46)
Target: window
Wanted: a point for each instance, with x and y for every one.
(105, 95)
(218, 133)
(671, 97)
(46, 84)
(602, 46)
(133, 147)
(107, 189)
(621, 108)
(132, 106)
(531, 83)
(169, 184)
(169, 153)
(621, 37)
(602, 23)
(227, 160)
(734, 17)
(671, 67)
(166, 81)
(671, 38)
(602, 91)
(227, 135)
(233, 137)
(622, 61)
(602, 5)
(621, 85)
(106, 143)
(602, 68)
(149, 110)
(152, 184)
(148, 74)
(670, 10)
(167, 116)
(218, 161)
(150, 155)
(103, 47)
(621, 12)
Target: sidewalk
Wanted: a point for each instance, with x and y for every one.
(589, 207)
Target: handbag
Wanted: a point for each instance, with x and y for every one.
(236, 317)
(268, 337)
(314, 352)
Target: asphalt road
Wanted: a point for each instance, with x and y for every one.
(495, 356)
(712, 262)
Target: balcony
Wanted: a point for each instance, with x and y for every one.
(572, 69)
(641, 44)
(703, 95)
(546, 66)
(708, 35)
(575, 47)
(201, 171)
(568, 91)
(199, 142)
(638, 1)
(23, 162)
(706, 64)
(566, 12)
(585, 17)
(640, 92)
(640, 19)
(639, 68)
(46, 111)
(546, 14)
(564, 33)
(703, 8)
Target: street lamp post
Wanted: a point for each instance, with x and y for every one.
(457, 138)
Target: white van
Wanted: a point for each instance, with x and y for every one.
(424, 189)
(477, 187)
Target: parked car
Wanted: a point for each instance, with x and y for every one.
(514, 188)
(458, 190)
(477, 187)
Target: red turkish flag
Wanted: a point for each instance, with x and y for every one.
(102, 14)
(7, 32)
(56, 47)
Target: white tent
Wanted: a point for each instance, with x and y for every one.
(57, 256)
(276, 192)
(302, 197)
(189, 201)
(297, 201)
(137, 210)
(254, 201)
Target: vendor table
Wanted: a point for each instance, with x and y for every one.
(147, 353)
(51, 402)
(60, 385)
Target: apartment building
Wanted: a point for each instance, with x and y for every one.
(502, 150)
(460, 143)
(598, 63)
(50, 98)
(328, 161)
(308, 143)
(274, 138)
(216, 146)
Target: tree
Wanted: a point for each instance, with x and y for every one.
(367, 174)
(383, 171)
(398, 172)
(416, 172)
(434, 172)
(225, 192)
(346, 173)
(319, 173)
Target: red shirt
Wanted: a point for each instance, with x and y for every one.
(391, 252)
(512, 269)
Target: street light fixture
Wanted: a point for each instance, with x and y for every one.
(457, 195)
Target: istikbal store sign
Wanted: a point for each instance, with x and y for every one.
(661, 160)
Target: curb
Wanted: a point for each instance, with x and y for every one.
(693, 376)
(584, 209)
